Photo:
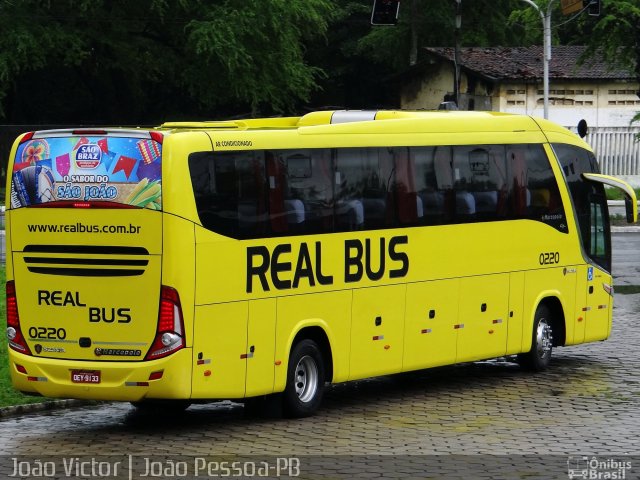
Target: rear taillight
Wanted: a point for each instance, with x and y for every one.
(14, 334)
(156, 137)
(170, 331)
(27, 136)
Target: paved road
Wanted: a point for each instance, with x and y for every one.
(489, 418)
(626, 258)
(482, 420)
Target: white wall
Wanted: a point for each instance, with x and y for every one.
(610, 104)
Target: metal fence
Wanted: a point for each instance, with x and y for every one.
(617, 149)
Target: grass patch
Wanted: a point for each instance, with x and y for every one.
(616, 193)
(8, 396)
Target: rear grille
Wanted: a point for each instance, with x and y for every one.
(86, 260)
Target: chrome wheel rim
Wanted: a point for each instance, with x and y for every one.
(306, 378)
(544, 339)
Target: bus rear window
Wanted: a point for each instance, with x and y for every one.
(56, 169)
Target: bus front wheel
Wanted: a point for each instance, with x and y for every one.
(539, 357)
(305, 380)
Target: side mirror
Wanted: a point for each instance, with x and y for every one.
(583, 129)
(630, 201)
(628, 207)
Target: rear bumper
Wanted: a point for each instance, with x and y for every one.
(124, 381)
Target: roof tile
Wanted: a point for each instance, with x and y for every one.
(517, 63)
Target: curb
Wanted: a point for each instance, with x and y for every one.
(15, 410)
(629, 229)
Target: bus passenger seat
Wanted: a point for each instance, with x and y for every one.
(465, 204)
(540, 198)
(486, 202)
(433, 203)
(419, 207)
(350, 214)
(374, 210)
(294, 210)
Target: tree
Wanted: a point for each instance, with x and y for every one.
(101, 61)
(617, 35)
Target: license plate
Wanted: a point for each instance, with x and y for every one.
(85, 376)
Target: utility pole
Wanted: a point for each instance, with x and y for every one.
(456, 55)
(546, 48)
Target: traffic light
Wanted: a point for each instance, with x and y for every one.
(385, 12)
(593, 7)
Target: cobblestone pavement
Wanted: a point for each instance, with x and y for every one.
(490, 418)
(481, 416)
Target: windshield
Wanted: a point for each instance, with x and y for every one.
(589, 202)
(55, 167)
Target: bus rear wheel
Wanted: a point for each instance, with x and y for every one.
(539, 357)
(305, 380)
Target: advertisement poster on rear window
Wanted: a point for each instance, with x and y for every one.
(86, 169)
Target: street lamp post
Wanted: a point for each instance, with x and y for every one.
(456, 55)
(546, 49)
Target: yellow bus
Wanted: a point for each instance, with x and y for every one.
(266, 258)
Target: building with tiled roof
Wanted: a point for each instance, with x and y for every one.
(511, 80)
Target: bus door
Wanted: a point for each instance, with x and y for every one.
(586, 188)
(595, 287)
(595, 282)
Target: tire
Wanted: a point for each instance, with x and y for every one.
(539, 357)
(305, 380)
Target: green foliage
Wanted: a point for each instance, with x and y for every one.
(143, 62)
(98, 61)
(253, 51)
(616, 193)
(433, 23)
(617, 33)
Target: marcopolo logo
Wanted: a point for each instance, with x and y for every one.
(117, 352)
(88, 156)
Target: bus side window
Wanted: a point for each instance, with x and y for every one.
(308, 194)
(542, 193)
(410, 207)
(444, 197)
(465, 203)
(276, 181)
(229, 190)
(421, 159)
(520, 197)
(357, 189)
